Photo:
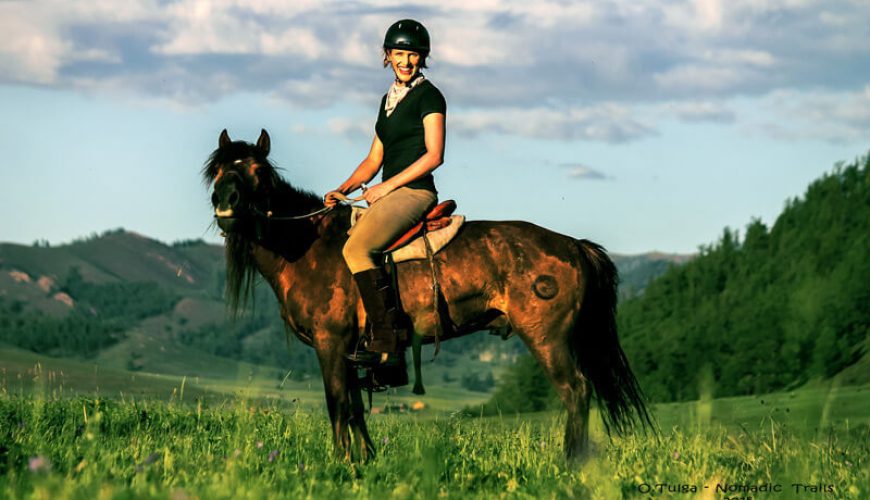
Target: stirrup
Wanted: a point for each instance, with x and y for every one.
(370, 358)
(364, 358)
(380, 377)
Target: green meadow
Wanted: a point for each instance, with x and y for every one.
(105, 434)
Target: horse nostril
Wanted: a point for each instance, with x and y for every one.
(233, 199)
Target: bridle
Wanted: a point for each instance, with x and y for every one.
(269, 216)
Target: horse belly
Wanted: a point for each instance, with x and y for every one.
(526, 273)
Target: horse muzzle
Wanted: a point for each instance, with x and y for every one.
(227, 224)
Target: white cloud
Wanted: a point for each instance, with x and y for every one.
(471, 45)
(832, 19)
(717, 70)
(607, 123)
(30, 52)
(748, 57)
(549, 15)
(547, 65)
(703, 77)
(836, 117)
(701, 111)
(579, 171)
(693, 16)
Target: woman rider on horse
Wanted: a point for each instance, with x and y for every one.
(409, 145)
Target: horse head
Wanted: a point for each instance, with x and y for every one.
(244, 183)
(247, 191)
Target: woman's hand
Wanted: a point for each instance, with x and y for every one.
(376, 192)
(332, 198)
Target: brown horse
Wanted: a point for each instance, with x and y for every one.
(558, 294)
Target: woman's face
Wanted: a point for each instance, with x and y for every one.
(406, 64)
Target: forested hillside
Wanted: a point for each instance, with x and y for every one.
(750, 315)
(768, 310)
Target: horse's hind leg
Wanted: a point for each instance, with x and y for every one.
(417, 352)
(554, 356)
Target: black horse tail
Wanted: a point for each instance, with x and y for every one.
(596, 346)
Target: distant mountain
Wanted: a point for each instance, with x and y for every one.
(119, 255)
(637, 271)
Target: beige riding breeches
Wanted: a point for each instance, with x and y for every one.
(382, 224)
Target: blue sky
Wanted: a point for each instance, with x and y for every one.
(641, 125)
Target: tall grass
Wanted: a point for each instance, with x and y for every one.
(89, 448)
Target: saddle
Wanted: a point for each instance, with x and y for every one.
(439, 224)
(437, 218)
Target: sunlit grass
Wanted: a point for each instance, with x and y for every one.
(242, 448)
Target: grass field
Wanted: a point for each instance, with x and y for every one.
(231, 442)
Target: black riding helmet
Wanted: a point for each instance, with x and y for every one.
(407, 34)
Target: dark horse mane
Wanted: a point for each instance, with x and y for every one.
(273, 194)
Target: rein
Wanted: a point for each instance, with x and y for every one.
(266, 217)
(269, 215)
(344, 200)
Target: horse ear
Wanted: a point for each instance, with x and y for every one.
(224, 139)
(264, 143)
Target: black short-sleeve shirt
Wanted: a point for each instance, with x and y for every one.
(402, 132)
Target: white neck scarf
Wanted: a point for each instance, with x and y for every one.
(398, 92)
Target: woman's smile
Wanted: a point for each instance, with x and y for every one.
(406, 64)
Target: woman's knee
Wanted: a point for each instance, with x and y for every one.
(357, 257)
(350, 250)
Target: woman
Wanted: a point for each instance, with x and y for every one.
(409, 145)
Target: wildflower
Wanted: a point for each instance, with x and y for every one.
(385, 441)
(512, 484)
(273, 455)
(259, 445)
(38, 464)
(676, 455)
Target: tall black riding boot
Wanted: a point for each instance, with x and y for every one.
(385, 323)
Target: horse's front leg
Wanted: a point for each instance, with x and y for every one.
(362, 440)
(333, 366)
